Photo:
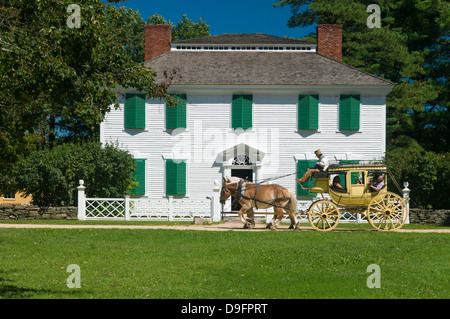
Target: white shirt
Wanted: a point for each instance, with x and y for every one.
(323, 162)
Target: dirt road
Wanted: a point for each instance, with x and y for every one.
(227, 226)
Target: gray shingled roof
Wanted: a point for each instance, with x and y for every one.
(259, 68)
(242, 38)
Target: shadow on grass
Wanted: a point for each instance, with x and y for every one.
(10, 291)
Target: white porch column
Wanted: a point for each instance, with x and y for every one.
(170, 208)
(215, 214)
(81, 201)
(226, 170)
(258, 173)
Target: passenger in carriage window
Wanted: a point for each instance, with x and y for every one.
(376, 184)
(337, 182)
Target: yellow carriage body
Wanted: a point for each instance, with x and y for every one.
(355, 179)
(384, 210)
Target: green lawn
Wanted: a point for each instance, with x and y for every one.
(181, 222)
(203, 264)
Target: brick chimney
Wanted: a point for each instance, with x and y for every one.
(329, 40)
(157, 40)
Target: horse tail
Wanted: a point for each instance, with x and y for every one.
(292, 202)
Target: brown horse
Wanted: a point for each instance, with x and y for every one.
(252, 195)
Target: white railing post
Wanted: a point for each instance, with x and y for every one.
(170, 208)
(215, 205)
(406, 192)
(81, 201)
(127, 207)
(359, 219)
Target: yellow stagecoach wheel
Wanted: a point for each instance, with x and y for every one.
(387, 212)
(323, 215)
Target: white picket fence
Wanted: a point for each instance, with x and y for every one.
(172, 208)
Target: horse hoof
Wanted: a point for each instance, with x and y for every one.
(250, 226)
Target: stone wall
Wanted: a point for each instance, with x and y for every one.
(429, 216)
(26, 212)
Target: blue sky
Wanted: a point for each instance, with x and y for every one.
(225, 16)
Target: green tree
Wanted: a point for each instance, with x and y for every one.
(184, 29)
(55, 77)
(51, 175)
(188, 29)
(130, 32)
(412, 50)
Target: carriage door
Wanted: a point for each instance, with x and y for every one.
(243, 173)
(357, 182)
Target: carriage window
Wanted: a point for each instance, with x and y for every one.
(338, 178)
(357, 178)
(374, 175)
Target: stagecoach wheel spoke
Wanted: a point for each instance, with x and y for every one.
(386, 212)
(323, 215)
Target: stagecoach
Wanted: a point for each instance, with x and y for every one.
(384, 210)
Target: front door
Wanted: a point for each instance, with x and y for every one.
(242, 173)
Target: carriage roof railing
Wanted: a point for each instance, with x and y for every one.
(371, 165)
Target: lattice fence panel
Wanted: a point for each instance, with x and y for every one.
(149, 208)
(105, 208)
(190, 208)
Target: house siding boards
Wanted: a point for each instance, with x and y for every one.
(275, 81)
(274, 132)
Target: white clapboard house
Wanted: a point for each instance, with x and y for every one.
(250, 105)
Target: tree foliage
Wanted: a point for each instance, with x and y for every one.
(51, 176)
(428, 174)
(184, 29)
(131, 34)
(411, 49)
(57, 78)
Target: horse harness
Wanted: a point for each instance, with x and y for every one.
(239, 194)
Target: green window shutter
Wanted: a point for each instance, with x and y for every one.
(176, 115)
(242, 111)
(139, 176)
(349, 112)
(175, 177)
(302, 167)
(308, 112)
(135, 110)
(181, 178)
